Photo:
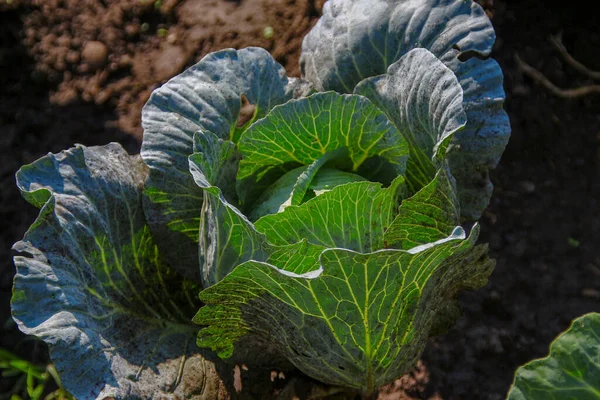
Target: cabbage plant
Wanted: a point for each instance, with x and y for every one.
(328, 230)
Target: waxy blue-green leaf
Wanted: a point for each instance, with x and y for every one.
(351, 216)
(571, 370)
(422, 97)
(227, 238)
(354, 320)
(424, 100)
(479, 146)
(355, 40)
(302, 131)
(90, 282)
(207, 98)
(430, 215)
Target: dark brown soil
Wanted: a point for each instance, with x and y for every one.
(115, 53)
(79, 71)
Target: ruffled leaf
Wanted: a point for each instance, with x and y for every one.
(424, 100)
(358, 320)
(354, 40)
(90, 282)
(479, 146)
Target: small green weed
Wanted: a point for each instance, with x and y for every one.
(32, 381)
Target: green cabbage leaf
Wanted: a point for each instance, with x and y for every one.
(570, 371)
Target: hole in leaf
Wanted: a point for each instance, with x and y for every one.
(247, 111)
(467, 55)
(246, 117)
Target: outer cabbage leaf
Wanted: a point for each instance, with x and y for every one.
(426, 219)
(91, 283)
(481, 143)
(424, 100)
(207, 98)
(360, 39)
(358, 321)
(570, 371)
(302, 131)
(354, 40)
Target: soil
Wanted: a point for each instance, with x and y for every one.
(79, 71)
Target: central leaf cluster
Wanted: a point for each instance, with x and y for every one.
(312, 145)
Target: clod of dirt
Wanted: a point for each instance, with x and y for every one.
(94, 54)
(409, 387)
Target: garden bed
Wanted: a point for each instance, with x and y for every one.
(57, 89)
